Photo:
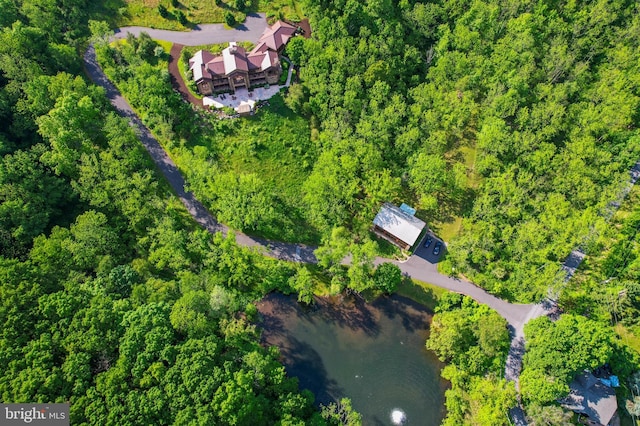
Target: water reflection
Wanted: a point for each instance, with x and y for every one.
(371, 353)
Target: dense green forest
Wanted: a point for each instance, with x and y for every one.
(111, 298)
(546, 93)
(607, 287)
(515, 119)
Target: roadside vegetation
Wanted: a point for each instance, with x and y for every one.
(426, 294)
(473, 340)
(183, 15)
(180, 14)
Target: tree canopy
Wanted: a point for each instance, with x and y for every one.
(474, 341)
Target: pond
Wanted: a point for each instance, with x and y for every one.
(373, 354)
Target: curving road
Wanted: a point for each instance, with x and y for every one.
(421, 266)
(250, 30)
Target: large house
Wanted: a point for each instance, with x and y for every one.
(235, 68)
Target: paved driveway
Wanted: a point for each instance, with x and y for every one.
(250, 30)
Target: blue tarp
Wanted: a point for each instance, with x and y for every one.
(612, 382)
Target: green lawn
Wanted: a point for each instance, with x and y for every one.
(145, 12)
(424, 293)
(628, 337)
(281, 9)
(166, 45)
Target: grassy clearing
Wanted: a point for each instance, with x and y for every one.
(424, 293)
(166, 45)
(275, 144)
(281, 9)
(145, 12)
(449, 224)
(628, 337)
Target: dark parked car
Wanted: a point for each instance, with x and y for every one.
(428, 241)
(436, 248)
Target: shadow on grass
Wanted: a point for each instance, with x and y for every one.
(110, 12)
(421, 294)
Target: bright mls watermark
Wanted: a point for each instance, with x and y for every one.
(34, 414)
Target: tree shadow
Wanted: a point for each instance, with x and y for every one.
(300, 359)
(348, 312)
(305, 363)
(413, 316)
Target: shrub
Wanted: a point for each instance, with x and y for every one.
(240, 5)
(387, 277)
(182, 17)
(162, 10)
(185, 55)
(229, 19)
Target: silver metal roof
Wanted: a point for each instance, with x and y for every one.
(399, 224)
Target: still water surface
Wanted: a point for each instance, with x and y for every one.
(372, 353)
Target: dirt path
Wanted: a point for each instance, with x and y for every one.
(177, 81)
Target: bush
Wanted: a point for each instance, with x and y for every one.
(185, 55)
(229, 19)
(182, 18)
(175, 3)
(387, 277)
(163, 11)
